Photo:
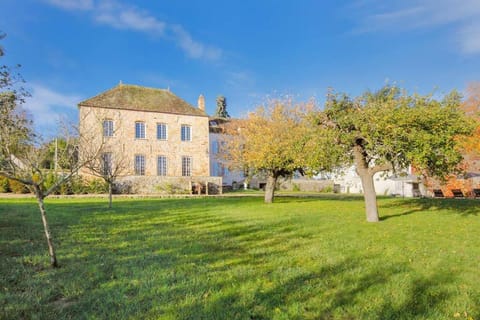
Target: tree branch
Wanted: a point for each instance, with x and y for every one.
(380, 168)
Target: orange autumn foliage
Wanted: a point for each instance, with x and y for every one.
(471, 106)
(470, 146)
(470, 150)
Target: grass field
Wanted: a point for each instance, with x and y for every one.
(237, 258)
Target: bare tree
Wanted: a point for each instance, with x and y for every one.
(22, 159)
(106, 157)
(109, 166)
(22, 154)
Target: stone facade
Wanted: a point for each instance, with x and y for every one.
(126, 105)
(173, 148)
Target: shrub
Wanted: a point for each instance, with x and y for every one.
(66, 188)
(97, 186)
(50, 180)
(171, 188)
(78, 185)
(4, 185)
(18, 187)
(327, 189)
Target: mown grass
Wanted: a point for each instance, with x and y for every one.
(237, 258)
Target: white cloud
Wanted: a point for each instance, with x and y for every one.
(119, 16)
(48, 107)
(240, 79)
(128, 18)
(470, 38)
(421, 14)
(194, 49)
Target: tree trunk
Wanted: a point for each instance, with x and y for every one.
(46, 228)
(370, 196)
(270, 188)
(366, 176)
(110, 192)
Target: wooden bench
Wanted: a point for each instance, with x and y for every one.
(437, 193)
(457, 193)
(476, 193)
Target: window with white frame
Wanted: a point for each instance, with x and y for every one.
(139, 130)
(139, 165)
(107, 163)
(186, 132)
(107, 128)
(161, 165)
(161, 131)
(186, 166)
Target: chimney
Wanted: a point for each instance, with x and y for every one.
(201, 102)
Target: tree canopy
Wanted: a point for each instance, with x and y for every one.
(471, 106)
(390, 129)
(276, 140)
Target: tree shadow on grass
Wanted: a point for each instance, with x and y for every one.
(332, 292)
(172, 245)
(462, 207)
(308, 197)
(424, 297)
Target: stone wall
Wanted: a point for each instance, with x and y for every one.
(306, 185)
(169, 185)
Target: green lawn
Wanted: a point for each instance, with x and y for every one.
(237, 258)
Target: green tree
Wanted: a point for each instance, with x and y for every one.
(52, 149)
(390, 129)
(276, 140)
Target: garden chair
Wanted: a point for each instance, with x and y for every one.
(457, 193)
(476, 193)
(438, 193)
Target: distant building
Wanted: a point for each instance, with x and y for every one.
(217, 167)
(404, 183)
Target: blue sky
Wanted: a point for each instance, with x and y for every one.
(246, 50)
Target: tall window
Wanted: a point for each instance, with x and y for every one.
(107, 163)
(140, 165)
(186, 166)
(139, 130)
(108, 128)
(218, 169)
(161, 131)
(161, 165)
(186, 133)
(214, 147)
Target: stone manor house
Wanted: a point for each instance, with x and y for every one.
(161, 140)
